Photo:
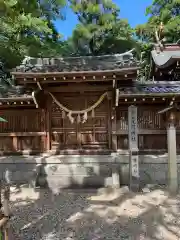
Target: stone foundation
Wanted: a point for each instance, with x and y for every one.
(81, 171)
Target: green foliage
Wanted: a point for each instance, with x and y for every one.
(145, 59)
(100, 31)
(165, 11)
(26, 28)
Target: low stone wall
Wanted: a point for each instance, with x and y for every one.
(87, 171)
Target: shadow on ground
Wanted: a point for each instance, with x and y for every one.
(112, 215)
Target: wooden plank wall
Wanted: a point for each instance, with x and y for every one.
(36, 130)
(25, 130)
(152, 129)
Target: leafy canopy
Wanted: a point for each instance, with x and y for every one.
(164, 19)
(27, 28)
(161, 11)
(99, 31)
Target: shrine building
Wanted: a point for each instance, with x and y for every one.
(89, 113)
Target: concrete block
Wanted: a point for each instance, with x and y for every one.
(90, 171)
(146, 190)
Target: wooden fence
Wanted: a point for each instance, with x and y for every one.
(152, 134)
(25, 130)
(35, 130)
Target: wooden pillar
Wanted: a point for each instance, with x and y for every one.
(133, 148)
(109, 123)
(48, 127)
(114, 103)
(113, 128)
(172, 153)
(115, 166)
(15, 143)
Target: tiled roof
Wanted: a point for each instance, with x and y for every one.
(13, 93)
(169, 55)
(151, 89)
(73, 64)
(161, 89)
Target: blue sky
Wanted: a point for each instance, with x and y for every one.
(133, 10)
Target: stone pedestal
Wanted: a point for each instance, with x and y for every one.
(115, 176)
(134, 171)
(172, 158)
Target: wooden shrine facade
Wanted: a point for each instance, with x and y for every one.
(152, 127)
(45, 129)
(40, 130)
(80, 105)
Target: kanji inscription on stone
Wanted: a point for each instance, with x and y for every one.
(133, 128)
(133, 148)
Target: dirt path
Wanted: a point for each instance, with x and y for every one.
(42, 215)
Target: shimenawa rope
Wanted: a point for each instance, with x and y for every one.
(80, 112)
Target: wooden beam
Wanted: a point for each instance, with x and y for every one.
(20, 81)
(144, 132)
(22, 134)
(61, 131)
(11, 99)
(75, 73)
(8, 107)
(141, 131)
(76, 88)
(117, 97)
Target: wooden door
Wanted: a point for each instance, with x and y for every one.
(91, 134)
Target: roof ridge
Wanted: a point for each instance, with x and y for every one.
(129, 52)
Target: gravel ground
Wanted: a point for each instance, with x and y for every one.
(110, 215)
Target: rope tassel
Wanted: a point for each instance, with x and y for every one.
(78, 118)
(85, 117)
(71, 119)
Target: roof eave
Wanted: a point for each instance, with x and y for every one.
(16, 99)
(130, 95)
(122, 70)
